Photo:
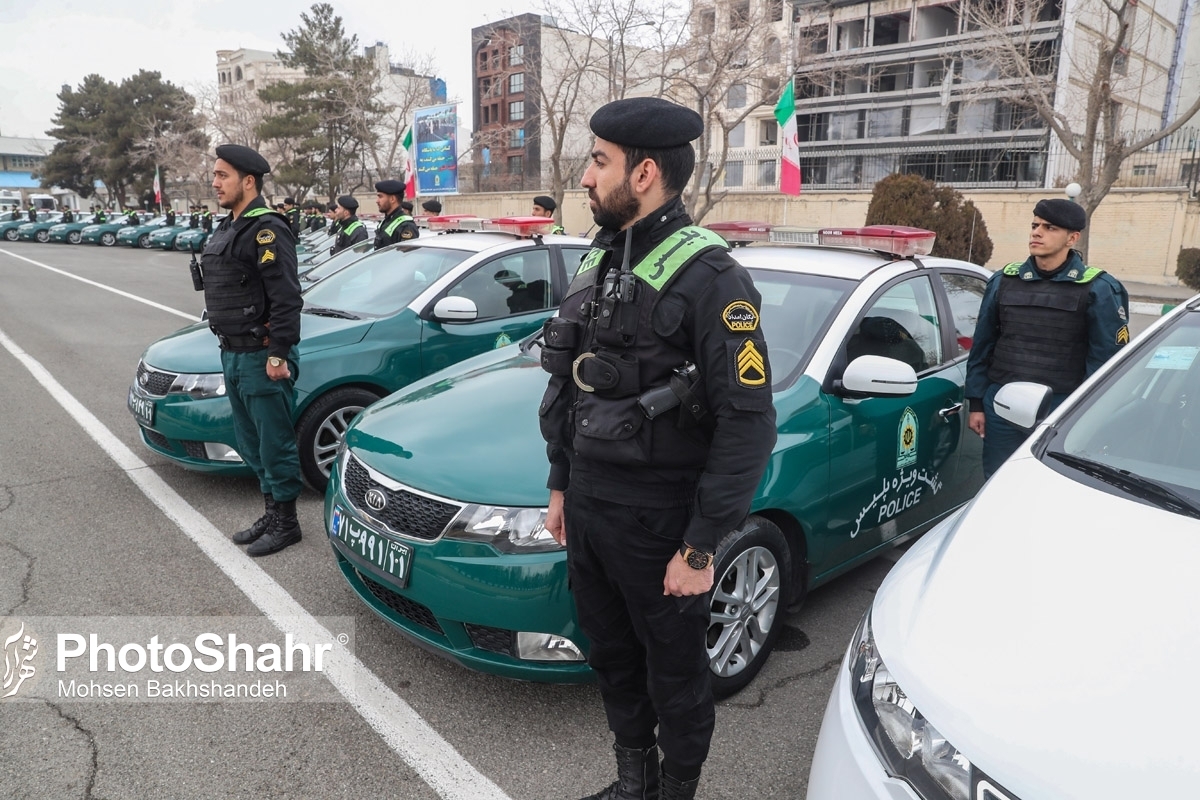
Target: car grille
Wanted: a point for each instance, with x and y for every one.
(406, 513)
(194, 449)
(409, 609)
(494, 640)
(154, 383)
(156, 438)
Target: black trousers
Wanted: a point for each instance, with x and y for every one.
(648, 649)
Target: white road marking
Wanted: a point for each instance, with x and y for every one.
(404, 731)
(151, 303)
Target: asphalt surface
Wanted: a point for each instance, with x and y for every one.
(80, 538)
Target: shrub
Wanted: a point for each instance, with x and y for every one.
(912, 200)
(1187, 267)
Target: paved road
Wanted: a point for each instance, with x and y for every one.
(79, 536)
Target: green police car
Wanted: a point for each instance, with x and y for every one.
(10, 228)
(387, 319)
(70, 232)
(436, 503)
(105, 233)
(39, 231)
(139, 235)
(193, 239)
(164, 238)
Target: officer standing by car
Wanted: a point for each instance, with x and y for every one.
(170, 217)
(659, 423)
(68, 215)
(432, 207)
(253, 299)
(397, 225)
(350, 231)
(543, 206)
(1049, 319)
(206, 218)
(292, 212)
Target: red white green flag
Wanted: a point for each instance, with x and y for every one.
(157, 189)
(410, 171)
(789, 165)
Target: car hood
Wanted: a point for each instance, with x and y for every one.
(1047, 635)
(436, 437)
(194, 349)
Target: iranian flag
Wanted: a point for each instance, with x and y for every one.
(410, 171)
(157, 189)
(789, 167)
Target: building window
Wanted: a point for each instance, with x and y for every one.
(516, 83)
(737, 135)
(23, 162)
(1144, 169)
(485, 120)
(1121, 62)
(516, 139)
(766, 172)
(737, 96)
(739, 15)
(708, 21)
(237, 74)
(768, 133)
(733, 173)
(516, 111)
(774, 10)
(516, 55)
(516, 164)
(483, 59)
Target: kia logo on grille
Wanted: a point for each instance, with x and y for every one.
(143, 379)
(375, 499)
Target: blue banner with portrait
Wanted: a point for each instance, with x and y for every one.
(435, 141)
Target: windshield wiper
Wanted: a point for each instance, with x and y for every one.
(330, 312)
(1136, 485)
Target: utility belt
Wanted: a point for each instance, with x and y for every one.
(251, 341)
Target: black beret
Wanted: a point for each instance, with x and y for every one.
(406, 205)
(648, 122)
(390, 187)
(433, 206)
(1063, 213)
(289, 201)
(347, 202)
(244, 158)
(545, 202)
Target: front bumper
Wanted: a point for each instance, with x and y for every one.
(465, 601)
(183, 427)
(845, 765)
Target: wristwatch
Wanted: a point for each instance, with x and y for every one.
(696, 559)
(275, 361)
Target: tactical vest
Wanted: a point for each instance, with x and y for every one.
(351, 228)
(233, 292)
(1043, 330)
(620, 350)
(390, 228)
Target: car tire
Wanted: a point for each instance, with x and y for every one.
(144, 241)
(11, 234)
(322, 427)
(42, 236)
(108, 239)
(74, 237)
(753, 571)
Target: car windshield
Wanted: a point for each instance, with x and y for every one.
(1142, 424)
(795, 310)
(385, 282)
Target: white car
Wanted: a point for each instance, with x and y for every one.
(1036, 644)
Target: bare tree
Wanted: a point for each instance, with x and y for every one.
(1085, 113)
(405, 89)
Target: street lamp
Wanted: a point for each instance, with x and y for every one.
(1073, 191)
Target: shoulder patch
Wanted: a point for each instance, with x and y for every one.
(1121, 313)
(740, 316)
(751, 368)
(265, 236)
(1123, 335)
(1013, 268)
(406, 234)
(268, 255)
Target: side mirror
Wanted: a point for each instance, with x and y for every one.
(1023, 404)
(455, 309)
(876, 376)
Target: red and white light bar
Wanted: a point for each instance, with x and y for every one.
(521, 226)
(455, 222)
(896, 240)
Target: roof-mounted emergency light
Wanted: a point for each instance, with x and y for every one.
(455, 222)
(521, 226)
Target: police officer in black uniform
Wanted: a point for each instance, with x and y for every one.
(1049, 319)
(68, 215)
(351, 230)
(206, 217)
(253, 299)
(398, 224)
(194, 217)
(292, 212)
(659, 422)
(170, 217)
(544, 206)
(432, 207)
(316, 219)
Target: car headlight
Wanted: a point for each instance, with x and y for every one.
(199, 387)
(509, 530)
(909, 746)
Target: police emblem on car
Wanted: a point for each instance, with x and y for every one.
(375, 499)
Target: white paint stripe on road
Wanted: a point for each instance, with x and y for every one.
(151, 303)
(404, 731)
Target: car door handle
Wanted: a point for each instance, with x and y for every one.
(945, 413)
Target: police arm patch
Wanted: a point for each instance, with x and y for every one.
(740, 317)
(749, 365)
(267, 256)
(265, 236)
(406, 234)
(1123, 335)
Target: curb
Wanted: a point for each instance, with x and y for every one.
(1151, 309)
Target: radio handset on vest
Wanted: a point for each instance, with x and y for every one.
(197, 272)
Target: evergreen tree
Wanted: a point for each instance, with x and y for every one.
(914, 201)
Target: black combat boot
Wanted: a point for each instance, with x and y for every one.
(677, 790)
(284, 532)
(637, 775)
(260, 526)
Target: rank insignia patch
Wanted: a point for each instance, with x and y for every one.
(267, 256)
(751, 368)
(740, 317)
(1121, 313)
(265, 237)
(1123, 335)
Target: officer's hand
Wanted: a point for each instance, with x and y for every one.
(555, 524)
(280, 372)
(976, 422)
(683, 581)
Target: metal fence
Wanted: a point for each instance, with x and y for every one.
(1030, 162)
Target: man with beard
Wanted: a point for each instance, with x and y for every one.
(350, 230)
(398, 224)
(643, 491)
(253, 300)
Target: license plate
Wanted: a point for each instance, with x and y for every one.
(390, 556)
(142, 408)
